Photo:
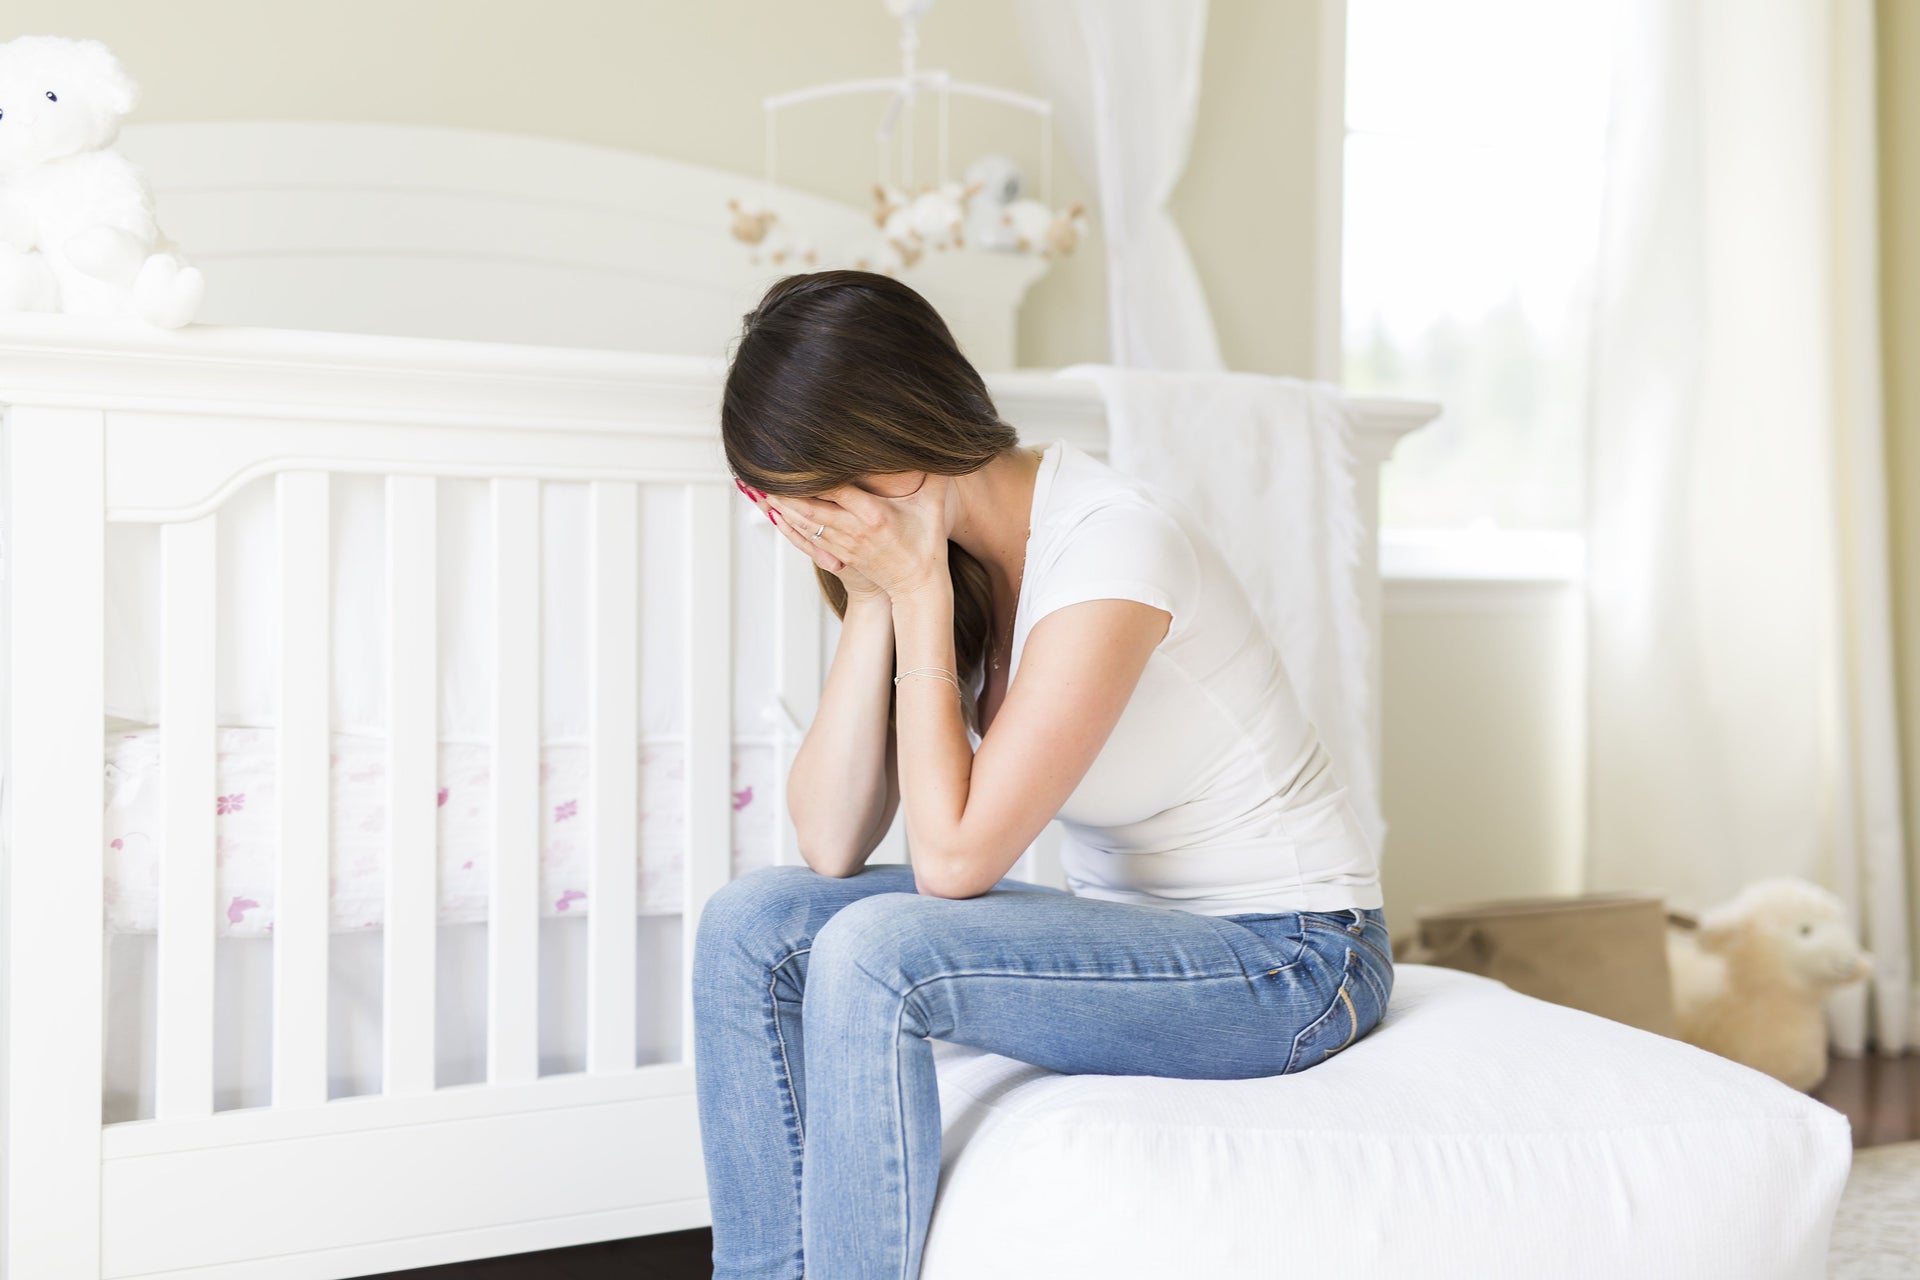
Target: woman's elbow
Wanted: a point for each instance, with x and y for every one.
(948, 878)
(836, 868)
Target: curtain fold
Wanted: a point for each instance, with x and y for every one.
(1124, 77)
(1741, 696)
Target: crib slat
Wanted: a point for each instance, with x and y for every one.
(51, 924)
(413, 844)
(801, 617)
(513, 928)
(183, 1052)
(613, 728)
(709, 720)
(301, 907)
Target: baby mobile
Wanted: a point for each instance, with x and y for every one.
(984, 209)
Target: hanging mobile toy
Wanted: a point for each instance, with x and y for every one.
(982, 210)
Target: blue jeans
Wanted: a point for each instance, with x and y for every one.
(828, 1148)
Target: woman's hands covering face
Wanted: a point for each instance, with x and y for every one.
(857, 585)
(874, 543)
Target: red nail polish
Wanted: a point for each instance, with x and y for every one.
(772, 515)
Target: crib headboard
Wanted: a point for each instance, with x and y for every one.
(498, 237)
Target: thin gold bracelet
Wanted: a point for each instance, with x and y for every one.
(938, 673)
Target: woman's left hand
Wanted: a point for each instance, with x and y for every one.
(899, 544)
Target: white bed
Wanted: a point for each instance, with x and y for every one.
(422, 541)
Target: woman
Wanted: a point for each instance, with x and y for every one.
(1225, 919)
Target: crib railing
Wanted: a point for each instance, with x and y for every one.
(162, 430)
(184, 1069)
(184, 1087)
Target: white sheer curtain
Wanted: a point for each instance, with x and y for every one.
(1124, 77)
(1740, 642)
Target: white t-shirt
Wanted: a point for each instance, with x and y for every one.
(1213, 794)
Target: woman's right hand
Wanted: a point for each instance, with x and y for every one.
(857, 584)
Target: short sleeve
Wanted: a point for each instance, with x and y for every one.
(1123, 551)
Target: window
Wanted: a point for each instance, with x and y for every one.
(1474, 143)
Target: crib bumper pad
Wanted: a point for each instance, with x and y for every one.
(247, 840)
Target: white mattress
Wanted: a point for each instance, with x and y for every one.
(247, 840)
(1475, 1132)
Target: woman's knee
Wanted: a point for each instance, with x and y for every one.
(752, 904)
(886, 936)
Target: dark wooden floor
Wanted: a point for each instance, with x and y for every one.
(1880, 1096)
(677, 1255)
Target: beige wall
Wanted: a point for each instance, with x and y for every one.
(1246, 203)
(1483, 727)
(1899, 117)
(1477, 727)
(684, 78)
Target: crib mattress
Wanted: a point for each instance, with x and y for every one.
(248, 841)
(1475, 1132)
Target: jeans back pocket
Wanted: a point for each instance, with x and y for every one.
(1355, 1009)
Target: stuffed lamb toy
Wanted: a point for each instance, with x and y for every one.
(77, 230)
(1751, 976)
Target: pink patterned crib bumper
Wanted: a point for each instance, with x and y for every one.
(247, 838)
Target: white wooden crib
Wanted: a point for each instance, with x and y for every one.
(489, 1123)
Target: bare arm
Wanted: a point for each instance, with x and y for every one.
(971, 814)
(837, 791)
(843, 788)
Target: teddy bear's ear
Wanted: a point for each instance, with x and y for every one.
(117, 91)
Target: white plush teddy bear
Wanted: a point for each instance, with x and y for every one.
(759, 227)
(1047, 232)
(939, 214)
(997, 179)
(77, 230)
(1750, 981)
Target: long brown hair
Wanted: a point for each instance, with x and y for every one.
(842, 374)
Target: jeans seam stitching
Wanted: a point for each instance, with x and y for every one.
(900, 1119)
(786, 1063)
(1340, 993)
(1098, 977)
(1374, 985)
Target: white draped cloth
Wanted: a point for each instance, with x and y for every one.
(1267, 465)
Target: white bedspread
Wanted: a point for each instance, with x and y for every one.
(1474, 1133)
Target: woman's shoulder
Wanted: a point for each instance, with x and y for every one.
(1108, 535)
(1085, 485)
(1092, 502)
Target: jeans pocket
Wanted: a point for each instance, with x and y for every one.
(1379, 984)
(1370, 933)
(1339, 1025)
